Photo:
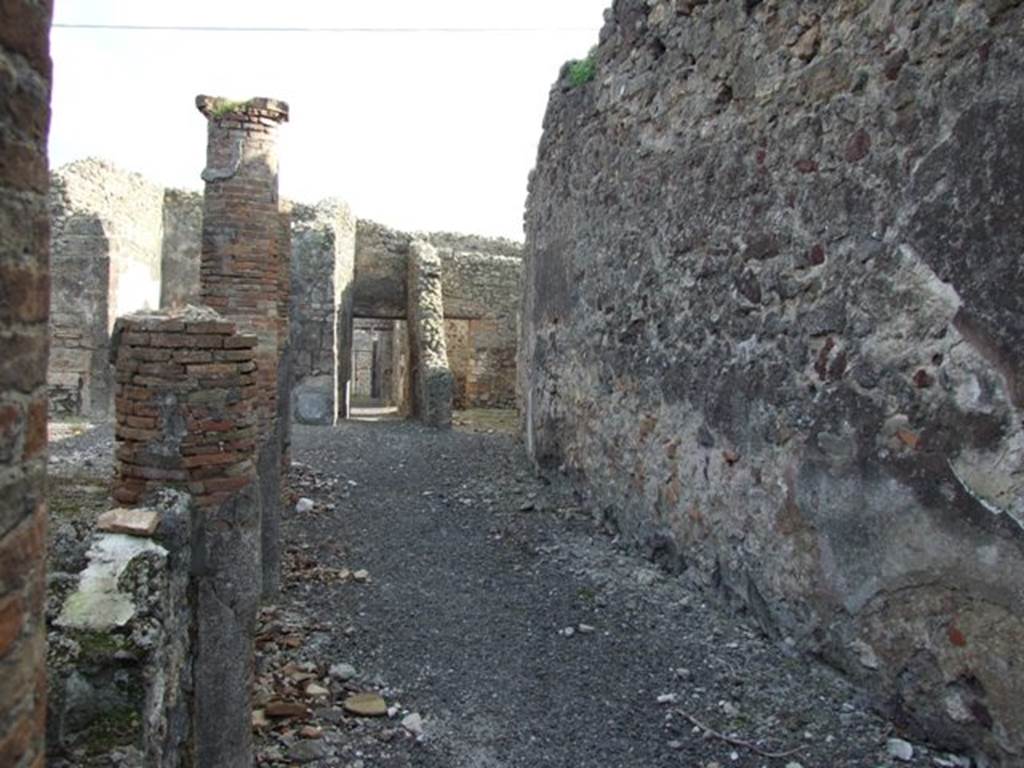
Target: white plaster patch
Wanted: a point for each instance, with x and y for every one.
(988, 488)
(97, 604)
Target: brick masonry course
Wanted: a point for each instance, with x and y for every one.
(24, 308)
(190, 422)
(244, 274)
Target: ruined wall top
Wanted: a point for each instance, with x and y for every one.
(258, 109)
(94, 183)
(378, 235)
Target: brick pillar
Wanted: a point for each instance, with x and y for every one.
(24, 309)
(242, 269)
(186, 408)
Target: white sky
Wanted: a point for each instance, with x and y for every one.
(418, 131)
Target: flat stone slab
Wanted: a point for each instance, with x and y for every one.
(314, 406)
(366, 705)
(132, 522)
(285, 709)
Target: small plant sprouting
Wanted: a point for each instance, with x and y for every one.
(226, 107)
(582, 70)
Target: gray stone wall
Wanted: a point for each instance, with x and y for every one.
(399, 393)
(106, 257)
(322, 263)
(482, 275)
(455, 241)
(182, 229)
(380, 270)
(457, 343)
(108, 222)
(481, 284)
(429, 373)
(773, 326)
(483, 291)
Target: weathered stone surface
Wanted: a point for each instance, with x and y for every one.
(481, 284)
(179, 257)
(120, 664)
(24, 311)
(481, 293)
(106, 256)
(314, 401)
(322, 267)
(381, 264)
(99, 604)
(773, 325)
(429, 374)
(366, 705)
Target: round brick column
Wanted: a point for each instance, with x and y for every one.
(185, 404)
(244, 270)
(24, 308)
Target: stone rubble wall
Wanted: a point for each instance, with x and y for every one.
(482, 275)
(322, 263)
(430, 376)
(24, 307)
(111, 226)
(457, 344)
(398, 387)
(482, 283)
(120, 653)
(774, 320)
(106, 258)
(381, 266)
(180, 248)
(482, 356)
(484, 291)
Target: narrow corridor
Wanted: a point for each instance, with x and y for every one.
(503, 626)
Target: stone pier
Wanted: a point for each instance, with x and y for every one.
(431, 377)
(322, 271)
(24, 309)
(242, 269)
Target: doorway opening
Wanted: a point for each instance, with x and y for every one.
(380, 375)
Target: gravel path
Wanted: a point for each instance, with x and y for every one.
(498, 612)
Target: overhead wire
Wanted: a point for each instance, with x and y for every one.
(328, 30)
